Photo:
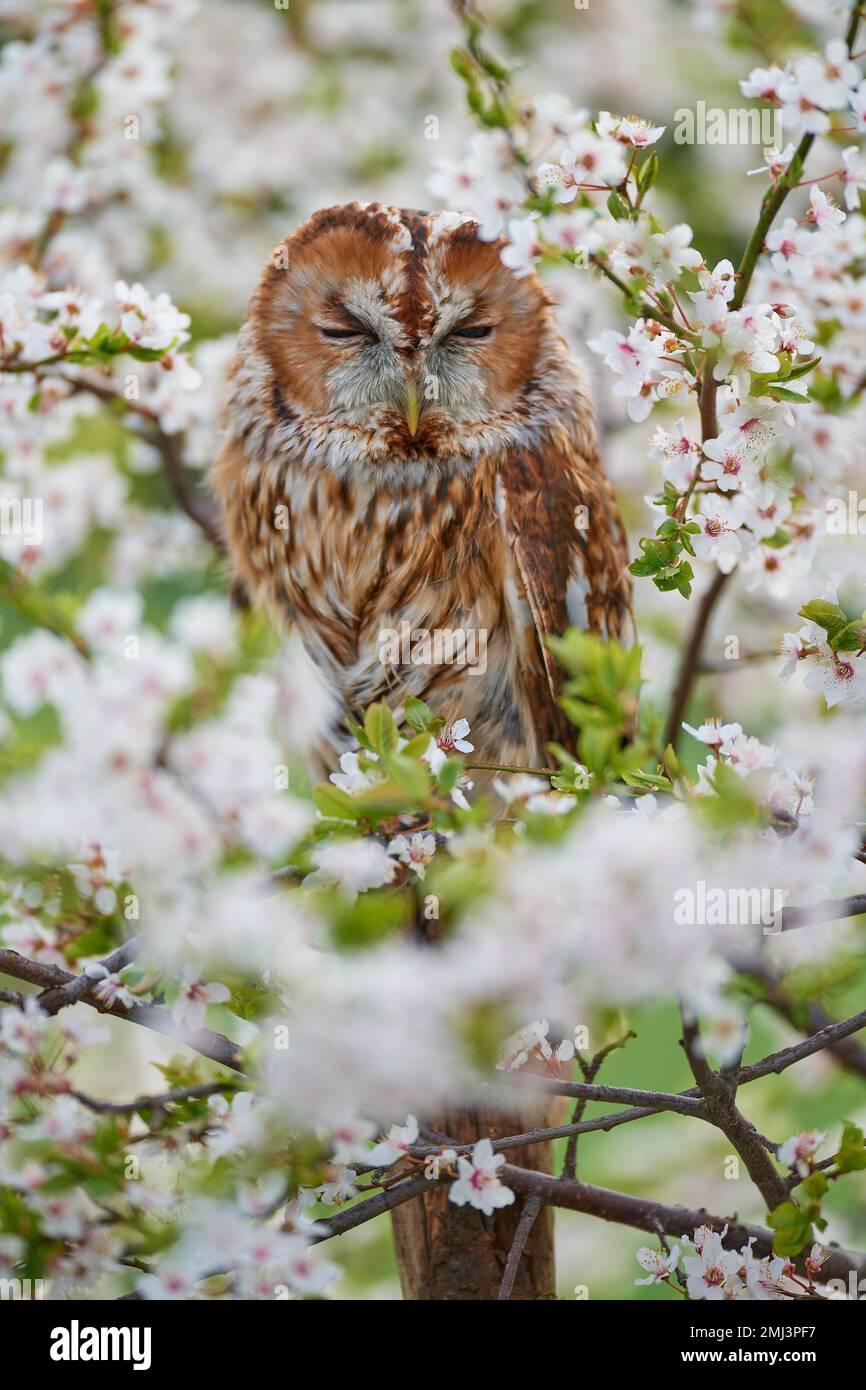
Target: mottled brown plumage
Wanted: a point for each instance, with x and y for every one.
(410, 442)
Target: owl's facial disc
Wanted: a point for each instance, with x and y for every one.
(376, 372)
(398, 337)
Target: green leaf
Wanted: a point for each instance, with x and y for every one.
(671, 764)
(618, 208)
(358, 734)
(779, 538)
(410, 776)
(334, 802)
(381, 729)
(793, 1227)
(417, 746)
(647, 174)
(852, 1152)
(827, 615)
(417, 715)
(815, 1186)
(781, 393)
(449, 773)
(368, 920)
(462, 64)
(642, 569)
(802, 368)
(852, 638)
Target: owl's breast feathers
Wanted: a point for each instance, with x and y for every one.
(516, 549)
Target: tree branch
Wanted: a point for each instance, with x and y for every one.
(191, 501)
(205, 1041)
(52, 1000)
(646, 1215)
(829, 910)
(721, 1110)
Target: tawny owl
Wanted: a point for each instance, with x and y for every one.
(411, 451)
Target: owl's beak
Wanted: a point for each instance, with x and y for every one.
(412, 407)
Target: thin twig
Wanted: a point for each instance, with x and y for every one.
(691, 658)
(157, 1102)
(531, 1208)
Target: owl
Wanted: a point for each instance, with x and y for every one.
(410, 477)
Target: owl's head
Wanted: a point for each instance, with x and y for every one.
(390, 336)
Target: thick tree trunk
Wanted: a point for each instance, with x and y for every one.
(446, 1252)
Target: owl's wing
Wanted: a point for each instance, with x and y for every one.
(568, 563)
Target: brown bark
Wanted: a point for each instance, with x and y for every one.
(448, 1253)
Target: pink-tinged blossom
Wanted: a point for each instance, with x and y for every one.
(339, 1187)
(673, 252)
(477, 1183)
(765, 83)
(746, 754)
(109, 987)
(793, 249)
(524, 245)
(857, 102)
(838, 677)
(353, 865)
(853, 176)
(586, 159)
(719, 520)
(453, 738)
(728, 462)
(791, 793)
(206, 624)
(23, 1030)
(714, 733)
(531, 1041)
(190, 1007)
(352, 777)
(415, 851)
(713, 1273)
(659, 1264)
(150, 321)
(679, 454)
(109, 616)
(794, 648)
(636, 360)
(823, 212)
(395, 1145)
(520, 786)
(773, 571)
(799, 1151)
(634, 131)
(350, 1139)
(777, 162)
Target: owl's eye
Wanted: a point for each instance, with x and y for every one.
(475, 330)
(344, 333)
